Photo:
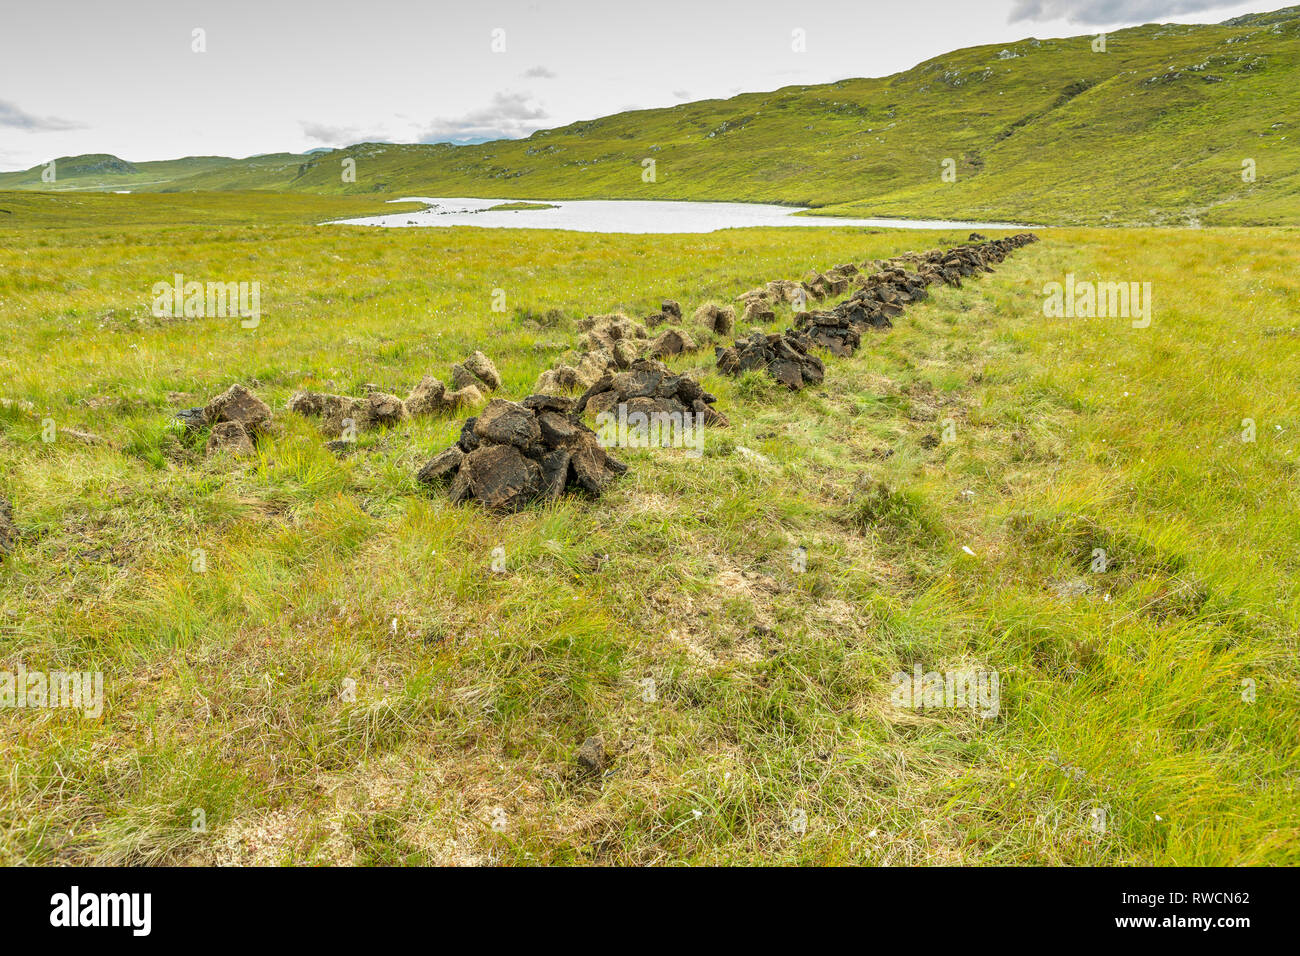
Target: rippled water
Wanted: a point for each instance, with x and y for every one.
(632, 215)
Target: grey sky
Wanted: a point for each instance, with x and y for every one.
(298, 74)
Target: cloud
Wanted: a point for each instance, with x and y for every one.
(340, 135)
(12, 116)
(540, 73)
(510, 116)
(1104, 12)
(682, 94)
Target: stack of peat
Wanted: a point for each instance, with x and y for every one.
(515, 453)
(784, 356)
(650, 387)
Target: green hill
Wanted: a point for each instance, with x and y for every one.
(1158, 128)
(104, 171)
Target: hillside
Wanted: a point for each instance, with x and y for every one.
(99, 171)
(1154, 129)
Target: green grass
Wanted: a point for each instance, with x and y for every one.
(225, 689)
(45, 211)
(1153, 131)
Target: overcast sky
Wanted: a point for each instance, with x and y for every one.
(87, 76)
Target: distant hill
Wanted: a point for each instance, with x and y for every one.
(1158, 128)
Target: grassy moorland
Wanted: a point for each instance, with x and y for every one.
(48, 211)
(225, 685)
(1155, 130)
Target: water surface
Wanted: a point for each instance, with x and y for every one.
(632, 215)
